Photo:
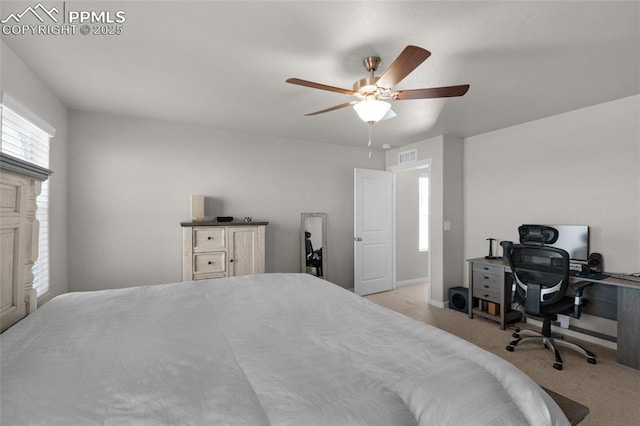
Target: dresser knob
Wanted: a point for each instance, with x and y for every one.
(210, 262)
(230, 260)
(208, 238)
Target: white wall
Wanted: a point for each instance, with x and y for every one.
(25, 87)
(452, 212)
(130, 181)
(581, 167)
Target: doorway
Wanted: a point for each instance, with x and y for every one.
(412, 223)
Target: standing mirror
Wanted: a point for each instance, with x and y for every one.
(313, 244)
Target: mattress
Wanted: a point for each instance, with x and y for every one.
(270, 349)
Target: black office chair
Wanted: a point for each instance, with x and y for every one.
(314, 257)
(540, 284)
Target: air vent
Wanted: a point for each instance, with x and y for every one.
(407, 156)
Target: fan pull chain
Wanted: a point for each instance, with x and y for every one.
(370, 137)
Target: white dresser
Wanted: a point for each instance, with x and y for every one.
(222, 249)
(20, 184)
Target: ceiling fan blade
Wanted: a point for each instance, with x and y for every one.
(333, 108)
(319, 86)
(407, 61)
(434, 92)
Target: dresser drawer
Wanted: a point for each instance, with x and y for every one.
(497, 270)
(486, 294)
(487, 286)
(208, 239)
(209, 276)
(209, 263)
(489, 281)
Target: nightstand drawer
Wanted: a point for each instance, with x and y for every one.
(209, 263)
(208, 239)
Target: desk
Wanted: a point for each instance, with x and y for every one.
(627, 313)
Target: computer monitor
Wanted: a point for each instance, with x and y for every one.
(574, 239)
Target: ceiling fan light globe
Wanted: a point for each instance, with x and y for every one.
(372, 111)
(390, 114)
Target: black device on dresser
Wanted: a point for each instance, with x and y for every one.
(540, 285)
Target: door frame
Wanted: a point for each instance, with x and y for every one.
(398, 168)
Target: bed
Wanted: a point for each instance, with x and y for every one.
(269, 349)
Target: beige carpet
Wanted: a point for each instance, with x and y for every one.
(610, 390)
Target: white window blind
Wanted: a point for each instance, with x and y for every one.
(22, 139)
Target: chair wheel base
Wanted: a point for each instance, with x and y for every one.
(549, 342)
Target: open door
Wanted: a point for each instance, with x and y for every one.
(373, 227)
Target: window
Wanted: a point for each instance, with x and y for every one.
(423, 213)
(23, 139)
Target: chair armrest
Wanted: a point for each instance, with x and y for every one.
(578, 288)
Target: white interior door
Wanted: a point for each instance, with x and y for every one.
(373, 227)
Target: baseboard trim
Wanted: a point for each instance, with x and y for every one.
(438, 304)
(423, 280)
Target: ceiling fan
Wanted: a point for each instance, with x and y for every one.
(372, 93)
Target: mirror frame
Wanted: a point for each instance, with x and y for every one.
(303, 262)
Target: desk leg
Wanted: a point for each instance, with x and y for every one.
(503, 309)
(628, 352)
(470, 295)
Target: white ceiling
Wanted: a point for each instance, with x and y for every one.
(224, 64)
